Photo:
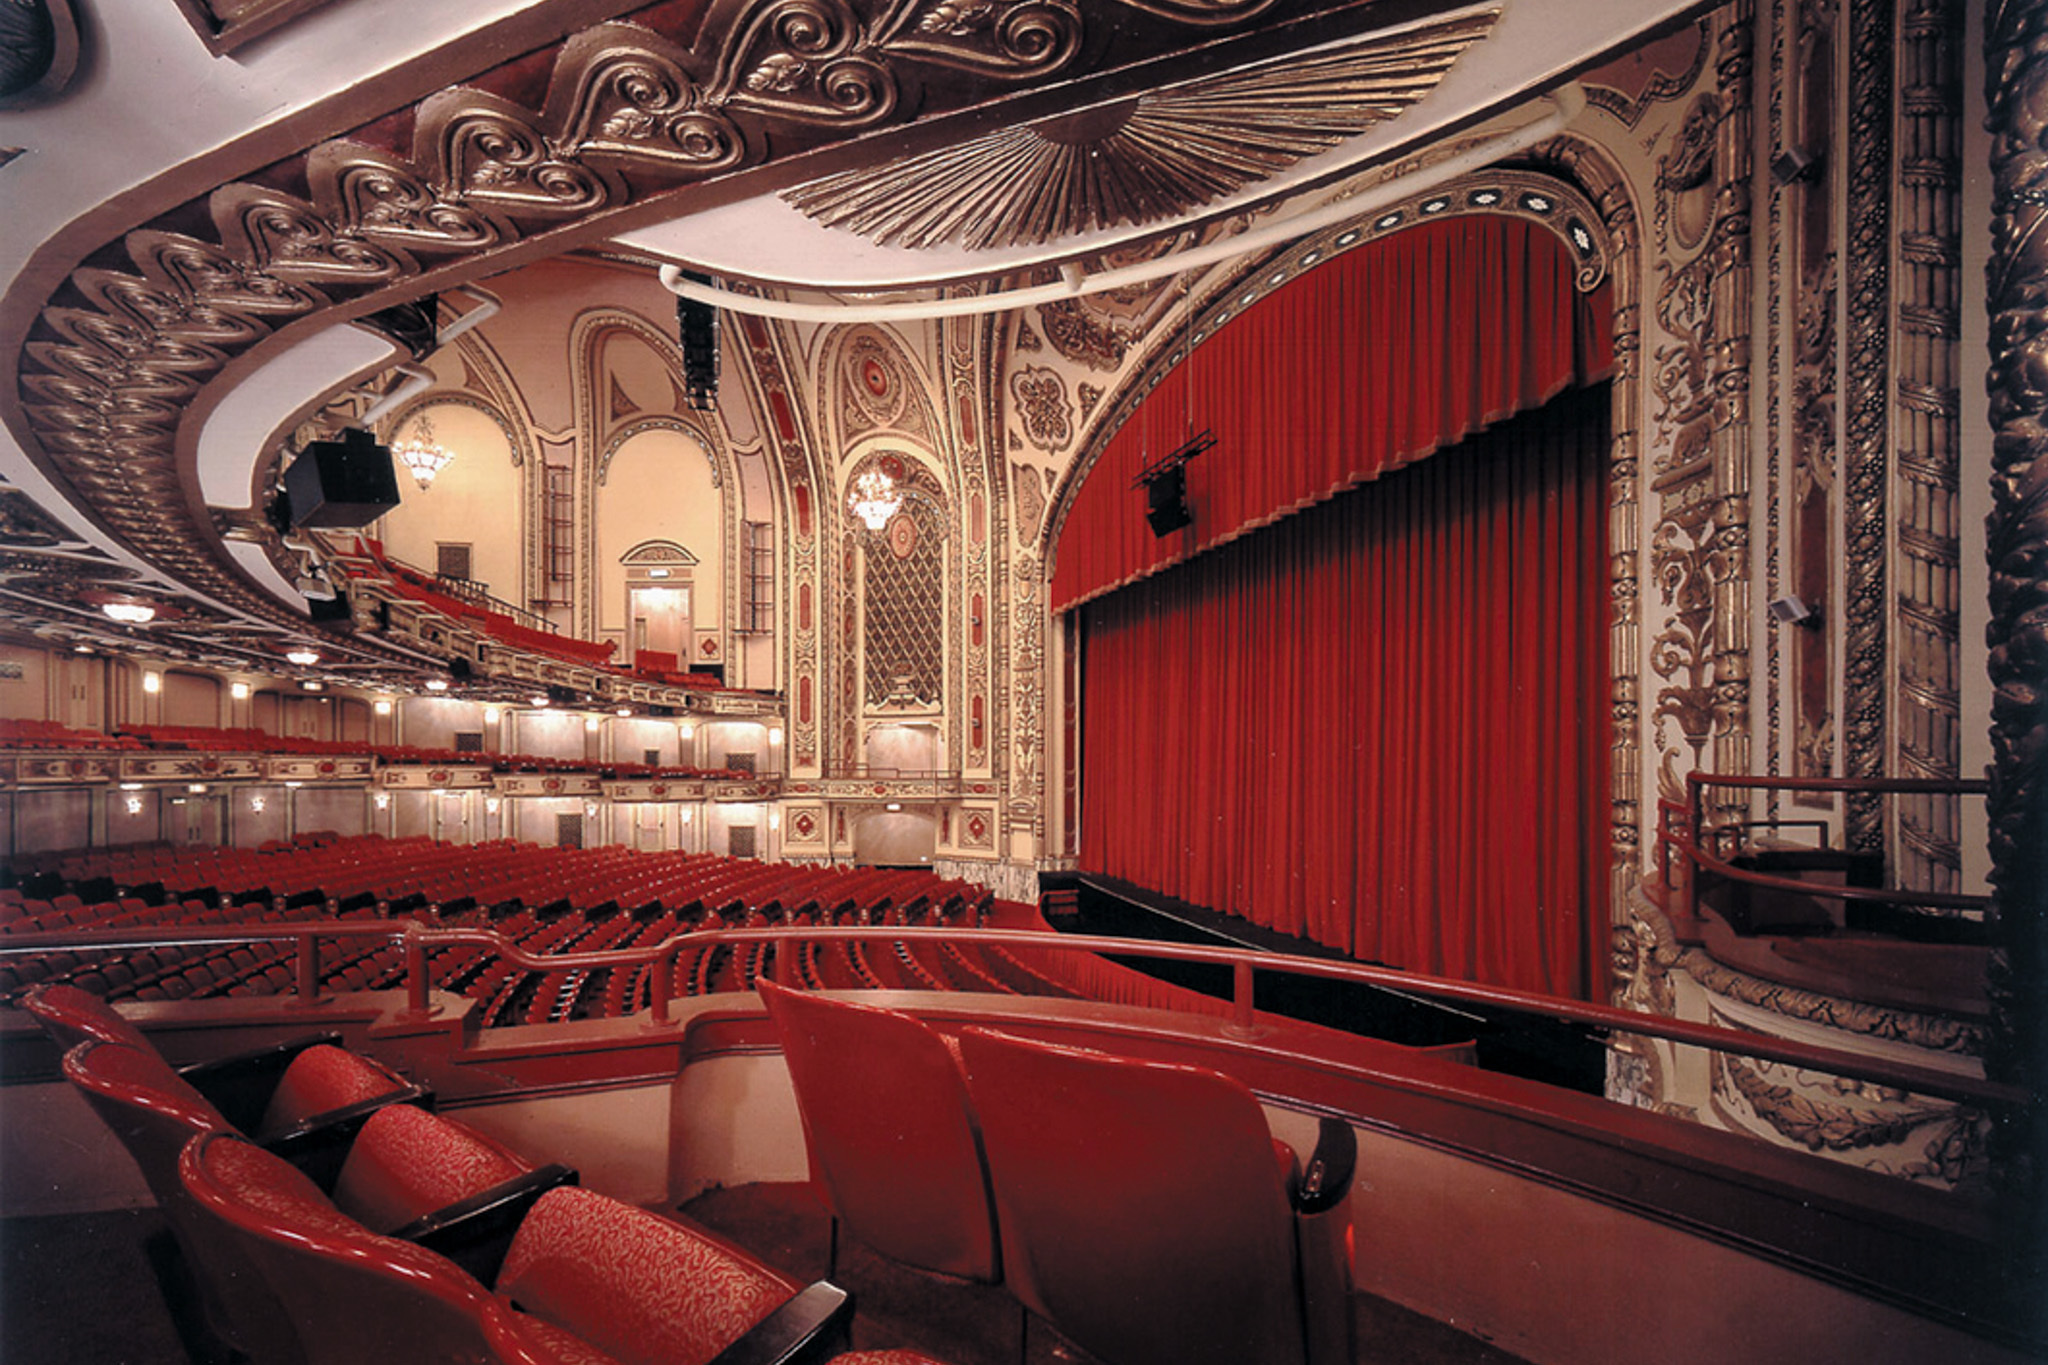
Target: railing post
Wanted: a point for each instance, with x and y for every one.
(1693, 794)
(658, 988)
(309, 968)
(785, 964)
(1242, 1019)
(415, 970)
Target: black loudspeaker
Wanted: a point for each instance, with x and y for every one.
(697, 331)
(342, 484)
(1166, 500)
(329, 610)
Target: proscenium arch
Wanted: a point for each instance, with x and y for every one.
(1577, 193)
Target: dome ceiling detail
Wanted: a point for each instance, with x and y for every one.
(1144, 160)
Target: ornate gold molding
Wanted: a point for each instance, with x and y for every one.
(2016, 78)
(1144, 160)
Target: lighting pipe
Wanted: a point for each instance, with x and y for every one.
(418, 378)
(1566, 103)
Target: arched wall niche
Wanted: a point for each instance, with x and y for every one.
(897, 611)
(662, 511)
(626, 377)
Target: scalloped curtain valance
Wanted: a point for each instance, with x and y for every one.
(1370, 362)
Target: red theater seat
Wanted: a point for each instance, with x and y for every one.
(891, 1137)
(1143, 1212)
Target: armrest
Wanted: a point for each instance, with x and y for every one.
(320, 1144)
(812, 1326)
(1326, 1180)
(240, 1085)
(476, 1232)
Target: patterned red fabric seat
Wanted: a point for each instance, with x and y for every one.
(321, 1079)
(647, 1290)
(407, 1163)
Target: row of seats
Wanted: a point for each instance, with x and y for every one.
(374, 1229)
(547, 901)
(1063, 1174)
(198, 738)
(48, 734)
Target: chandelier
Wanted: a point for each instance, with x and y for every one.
(874, 499)
(421, 454)
(129, 613)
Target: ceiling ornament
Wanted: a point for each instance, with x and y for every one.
(122, 350)
(1144, 160)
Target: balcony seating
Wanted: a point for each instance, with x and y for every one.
(891, 1137)
(1145, 1215)
(586, 1280)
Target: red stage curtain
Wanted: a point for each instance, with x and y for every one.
(1383, 723)
(1375, 359)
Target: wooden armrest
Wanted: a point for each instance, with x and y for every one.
(476, 1232)
(319, 1144)
(240, 1085)
(813, 1326)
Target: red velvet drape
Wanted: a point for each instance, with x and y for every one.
(1361, 365)
(1383, 723)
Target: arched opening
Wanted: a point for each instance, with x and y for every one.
(1379, 723)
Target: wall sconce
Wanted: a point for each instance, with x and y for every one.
(1793, 610)
(590, 809)
(687, 730)
(382, 800)
(239, 691)
(687, 815)
(775, 734)
(490, 715)
(256, 804)
(382, 706)
(135, 805)
(590, 723)
(152, 683)
(775, 819)
(491, 804)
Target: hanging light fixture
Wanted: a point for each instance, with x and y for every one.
(421, 454)
(129, 613)
(304, 658)
(874, 499)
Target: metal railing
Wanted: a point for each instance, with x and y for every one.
(416, 940)
(1683, 830)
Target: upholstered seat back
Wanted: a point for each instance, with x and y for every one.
(406, 1163)
(1142, 1209)
(355, 1298)
(890, 1132)
(320, 1079)
(646, 1290)
(72, 1016)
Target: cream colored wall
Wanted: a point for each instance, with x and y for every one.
(475, 501)
(659, 487)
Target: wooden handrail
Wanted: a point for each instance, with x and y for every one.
(1245, 964)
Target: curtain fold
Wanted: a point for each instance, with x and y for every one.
(1359, 366)
(1382, 724)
